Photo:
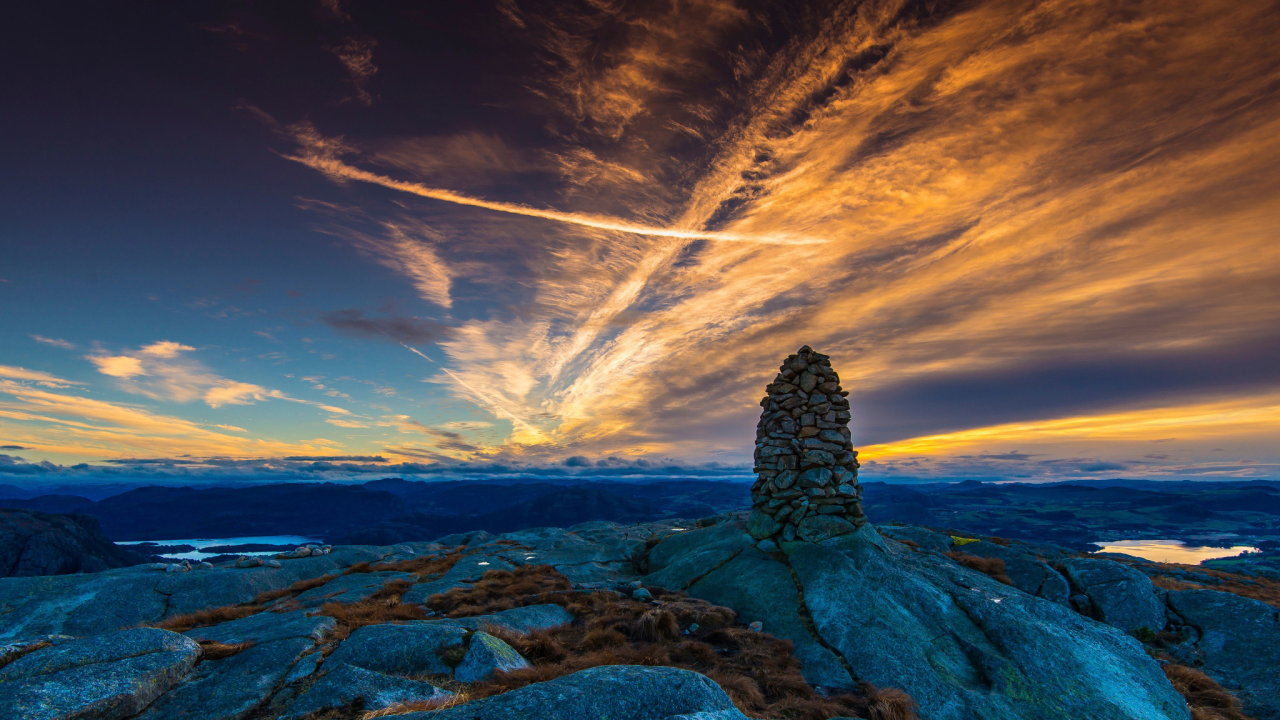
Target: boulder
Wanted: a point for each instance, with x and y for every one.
(486, 655)
(522, 619)
(105, 677)
(1236, 641)
(266, 627)
(761, 588)
(408, 649)
(616, 692)
(1118, 595)
(232, 687)
(1028, 573)
(346, 684)
(965, 646)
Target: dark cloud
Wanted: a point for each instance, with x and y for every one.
(12, 447)
(403, 329)
(14, 465)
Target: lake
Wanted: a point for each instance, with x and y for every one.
(1172, 551)
(292, 541)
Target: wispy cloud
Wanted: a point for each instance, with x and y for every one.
(54, 342)
(321, 154)
(38, 377)
(165, 371)
(62, 424)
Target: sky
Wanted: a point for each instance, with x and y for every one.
(1039, 240)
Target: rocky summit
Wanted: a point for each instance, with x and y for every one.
(800, 609)
(806, 467)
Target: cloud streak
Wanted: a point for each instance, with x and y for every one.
(318, 154)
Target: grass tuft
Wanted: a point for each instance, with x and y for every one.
(1207, 699)
(992, 567)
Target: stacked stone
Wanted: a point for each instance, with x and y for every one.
(807, 470)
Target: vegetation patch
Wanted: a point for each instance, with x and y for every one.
(758, 671)
(1254, 588)
(383, 606)
(1207, 699)
(992, 567)
(12, 655)
(424, 567)
(211, 650)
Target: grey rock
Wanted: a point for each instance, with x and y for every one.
(345, 684)
(682, 558)
(486, 655)
(108, 677)
(266, 627)
(1118, 594)
(923, 538)
(467, 538)
(408, 649)
(642, 595)
(1237, 640)
(965, 646)
(1028, 573)
(762, 525)
(761, 588)
(815, 477)
(91, 604)
(230, 688)
(615, 692)
(346, 589)
(816, 528)
(523, 620)
(467, 569)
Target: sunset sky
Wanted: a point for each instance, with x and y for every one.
(1039, 240)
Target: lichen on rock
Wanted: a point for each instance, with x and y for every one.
(807, 470)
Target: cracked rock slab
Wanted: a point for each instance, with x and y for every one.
(231, 688)
(346, 684)
(616, 692)
(966, 646)
(523, 620)
(105, 677)
(408, 649)
(1118, 594)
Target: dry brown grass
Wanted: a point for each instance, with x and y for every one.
(1207, 699)
(758, 671)
(204, 618)
(1255, 588)
(211, 650)
(459, 697)
(992, 567)
(499, 590)
(383, 606)
(420, 566)
(293, 590)
(423, 566)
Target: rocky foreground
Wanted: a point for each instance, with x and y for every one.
(414, 631)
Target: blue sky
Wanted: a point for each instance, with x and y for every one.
(1038, 240)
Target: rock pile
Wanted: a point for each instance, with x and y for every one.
(807, 470)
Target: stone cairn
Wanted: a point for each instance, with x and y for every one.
(807, 487)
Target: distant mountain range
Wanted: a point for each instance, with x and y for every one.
(395, 510)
